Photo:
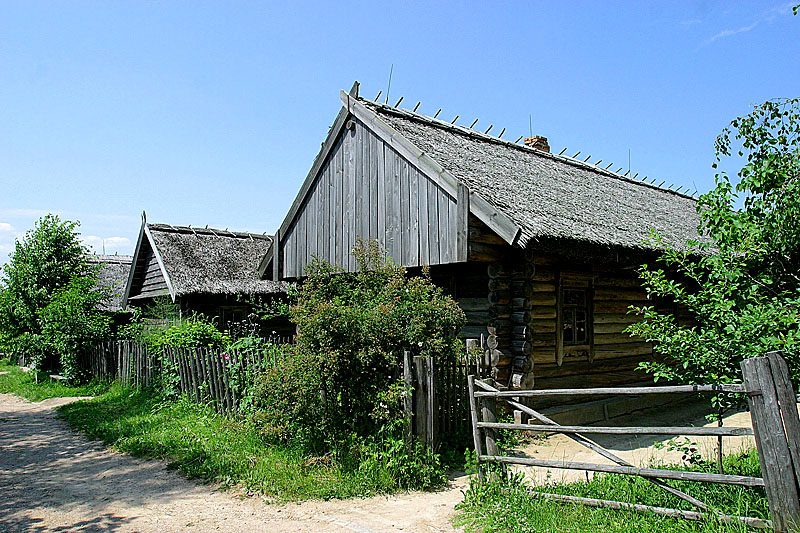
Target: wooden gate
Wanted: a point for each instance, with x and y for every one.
(776, 427)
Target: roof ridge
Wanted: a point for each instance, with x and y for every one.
(455, 128)
(207, 231)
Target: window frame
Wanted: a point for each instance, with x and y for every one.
(564, 349)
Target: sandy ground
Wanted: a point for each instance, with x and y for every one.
(638, 450)
(52, 479)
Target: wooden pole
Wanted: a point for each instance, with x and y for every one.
(788, 404)
(476, 432)
(773, 449)
(408, 396)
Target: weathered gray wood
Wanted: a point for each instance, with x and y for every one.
(489, 415)
(788, 405)
(680, 475)
(444, 230)
(408, 395)
(433, 223)
(462, 223)
(605, 391)
(422, 207)
(423, 401)
(661, 511)
(413, 216)
(405, 214)
(724, 431)
(380, 202)
(773, 449)
(590, 444)
(473, 413)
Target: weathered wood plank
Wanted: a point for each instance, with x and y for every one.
(702, 431)
(604, 391)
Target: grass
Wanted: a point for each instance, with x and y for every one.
(204, 445)
(24, 384)
(506, 506)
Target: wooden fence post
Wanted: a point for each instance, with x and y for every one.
(788, 404)
(476, 432)
(423, 400)
(408, 397)
(771, 441)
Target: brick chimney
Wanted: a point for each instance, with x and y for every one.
(538, 142)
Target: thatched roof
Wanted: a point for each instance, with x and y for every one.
(546, 195)
(112, 274)
(212, 261)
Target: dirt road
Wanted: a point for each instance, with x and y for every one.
(52, 479)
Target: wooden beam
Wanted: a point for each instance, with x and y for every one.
(277, 259)
(680, 475)
(661, 511)
(702, 431)
(605, 391)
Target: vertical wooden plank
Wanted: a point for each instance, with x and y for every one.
(489, 414)
(380, 202)
(413, 219)
(788, 405)
(452, 232)
(337, 204)
(433, 418)
(433, 223)
(392, 200)
(773, 450)
(422, 207)
(421, 399)
(373, 185)
(351, 200)
(405, 215)
(462, 224)
(444, 228)
(408, 396)
(362, 173)
(476, 434)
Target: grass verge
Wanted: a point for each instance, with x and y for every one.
(204, 445)
(506, 506)
(23, 384)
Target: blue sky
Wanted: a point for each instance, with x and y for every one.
(212, 112)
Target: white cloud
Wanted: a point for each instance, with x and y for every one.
(5, 227)
(728, 33)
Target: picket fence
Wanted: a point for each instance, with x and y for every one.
(206, 375)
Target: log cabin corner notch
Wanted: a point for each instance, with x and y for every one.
(539, 249)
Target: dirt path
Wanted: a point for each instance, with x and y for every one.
(52, 479)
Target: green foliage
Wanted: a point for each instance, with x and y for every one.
(24, 384)
(196, 331)
(48, 297)
(342, 378)
(740, 285)
(506, 505)
(205, 445)
(71, 325)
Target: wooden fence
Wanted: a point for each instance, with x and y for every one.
(204, 374)
(776, 427)
(439, 404)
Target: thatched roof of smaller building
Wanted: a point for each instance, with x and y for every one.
(112, 274)
(213, 261)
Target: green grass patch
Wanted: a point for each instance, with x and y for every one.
(24, 384)
(205, 445)
(506, 506)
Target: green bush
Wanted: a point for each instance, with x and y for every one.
(341, 391)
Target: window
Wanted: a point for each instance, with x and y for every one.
(574, 314)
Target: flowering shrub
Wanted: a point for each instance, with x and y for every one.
(343, 379)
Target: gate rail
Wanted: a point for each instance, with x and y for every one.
(776, 427)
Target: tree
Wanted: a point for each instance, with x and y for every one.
(740, 281)
(46, 281)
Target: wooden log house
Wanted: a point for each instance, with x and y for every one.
(540, 250)
(112, 275)
(202, 270)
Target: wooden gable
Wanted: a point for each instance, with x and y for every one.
(370, 183)
(147, 277)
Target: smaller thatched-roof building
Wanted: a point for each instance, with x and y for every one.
(112, 274)
(201, 270)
